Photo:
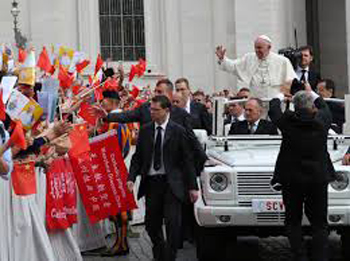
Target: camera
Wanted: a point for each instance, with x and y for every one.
(293, 54)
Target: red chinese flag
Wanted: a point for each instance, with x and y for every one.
(99, 64)
(79, 139)
(141, 68)
(87, 112)
(44, 62)
(135, 91)
(98, 91)
(132, 73)
(66, 79)
(2, 107)
(90, 80)
(17, 138)
(82, 65)
(22, 55)
(76, 89)
(23, 178)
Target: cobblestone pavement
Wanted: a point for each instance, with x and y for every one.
(249, 249)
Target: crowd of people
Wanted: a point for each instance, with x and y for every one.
(159, 124)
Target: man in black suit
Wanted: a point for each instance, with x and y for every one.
(200, 117)
(304, 169)
(326, 89)
(304, 71)
(235, 112)
(253, 124)
(164, 161)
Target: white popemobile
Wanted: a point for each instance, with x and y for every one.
(235, 193)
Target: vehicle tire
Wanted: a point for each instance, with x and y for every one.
(345, 243)
(214, 244)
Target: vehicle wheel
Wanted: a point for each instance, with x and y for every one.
(212, 244)
(345, 243)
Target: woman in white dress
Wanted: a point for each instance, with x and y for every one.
(6, 166)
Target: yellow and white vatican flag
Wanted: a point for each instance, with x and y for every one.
(65, 55)
(27, 70)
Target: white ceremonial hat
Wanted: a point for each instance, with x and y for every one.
(265, 38)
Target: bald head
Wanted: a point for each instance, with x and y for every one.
(253, 110)
(179, 100)
(262, 46)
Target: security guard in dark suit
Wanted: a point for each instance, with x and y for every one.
(164, 161)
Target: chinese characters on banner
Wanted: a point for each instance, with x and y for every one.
(61, 204)
(101, 176)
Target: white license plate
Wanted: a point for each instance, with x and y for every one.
(267, 205)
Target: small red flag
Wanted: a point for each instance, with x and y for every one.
(2, 107)
(66, 79)
(88, 113)
(99, 64)
(82, 65)
(17, 138)
(90, 80)
(135, 92)
(80, 140)
(132, 73)
(98, 94)
(23, 178)
(76, 89)
(141, 68)
(44, 62)
(22, 55)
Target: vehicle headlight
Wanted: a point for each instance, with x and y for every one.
(218, 182)
(342, 181)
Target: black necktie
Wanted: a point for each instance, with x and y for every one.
(157, 161)
(302, 78)
(251, 128)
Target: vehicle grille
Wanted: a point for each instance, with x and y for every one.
(253, 184)
(270, 218)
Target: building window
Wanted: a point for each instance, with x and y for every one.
(122, 30)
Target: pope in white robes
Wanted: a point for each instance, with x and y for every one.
(263, 72)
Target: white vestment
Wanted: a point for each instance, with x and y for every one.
(263, 77)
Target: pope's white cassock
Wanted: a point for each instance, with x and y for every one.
(263, 77)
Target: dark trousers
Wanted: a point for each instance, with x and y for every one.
(188, 222)
(161, 204)
(313, 198)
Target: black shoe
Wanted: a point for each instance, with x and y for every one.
(110, 252)
(94, 252)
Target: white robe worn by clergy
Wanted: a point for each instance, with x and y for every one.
(263, 77)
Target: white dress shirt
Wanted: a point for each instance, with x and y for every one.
(188, 106)
(253, 127)
(152, 171)
(299, 73)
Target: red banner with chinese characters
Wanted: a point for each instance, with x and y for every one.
(101, 176)
(61, 205)
(106, 154)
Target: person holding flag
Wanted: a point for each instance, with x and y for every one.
(110, 103)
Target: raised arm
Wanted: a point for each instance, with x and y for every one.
(127, 116)
(275, 112)
(323, 114)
